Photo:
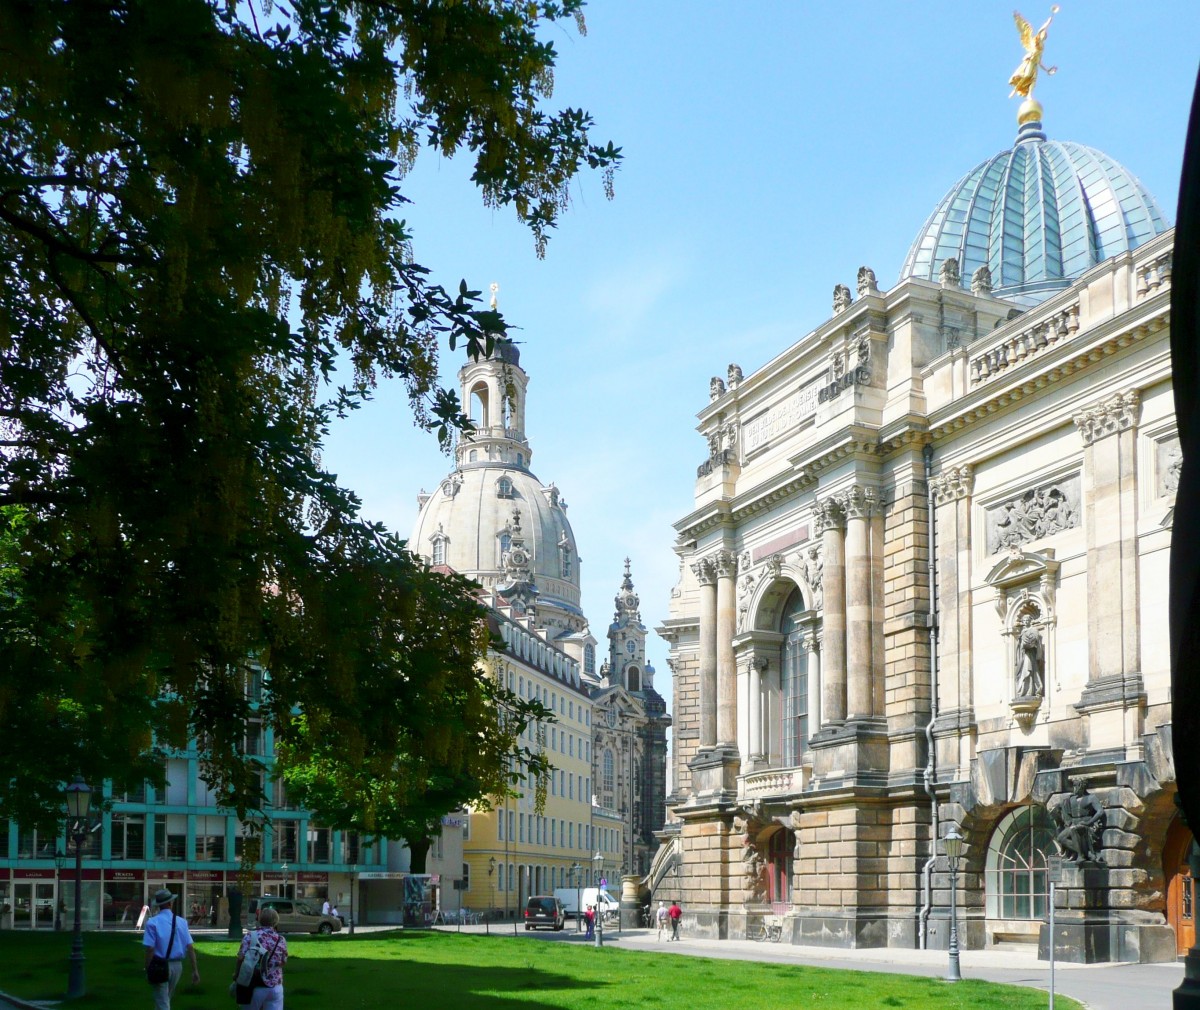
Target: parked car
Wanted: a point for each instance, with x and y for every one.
(544, 910)
(296, 916)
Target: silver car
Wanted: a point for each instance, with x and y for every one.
(298, 916)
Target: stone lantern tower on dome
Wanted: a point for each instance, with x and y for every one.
(493, 520)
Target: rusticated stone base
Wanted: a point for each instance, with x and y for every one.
(1093, 942)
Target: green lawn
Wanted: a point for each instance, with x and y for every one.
(431, 971)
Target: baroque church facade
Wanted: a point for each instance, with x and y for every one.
(493, 520)
(923, 588)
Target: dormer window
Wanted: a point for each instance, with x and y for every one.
(438, 546)
(504, 487)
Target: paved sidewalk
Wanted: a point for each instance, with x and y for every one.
(1099, 986)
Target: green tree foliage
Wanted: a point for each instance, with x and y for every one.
(199, 223)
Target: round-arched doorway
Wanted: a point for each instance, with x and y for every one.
(1181, 888)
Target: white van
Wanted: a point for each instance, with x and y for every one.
(574, 900)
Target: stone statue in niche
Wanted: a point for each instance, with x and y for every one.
(1081, 822)
(716, 388)
(842, 299)
(745, 589)
(867, 285)
(1170, 464)
(1030, 664)
(814, 573)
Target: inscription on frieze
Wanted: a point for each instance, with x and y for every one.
(782, 417)
(1034, 514)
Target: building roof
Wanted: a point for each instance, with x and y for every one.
(1038, 216)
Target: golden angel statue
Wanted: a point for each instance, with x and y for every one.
(1025, 76)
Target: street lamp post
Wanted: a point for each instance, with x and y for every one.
(487, 919)
(284, 869)
(353, 879)
(59, 858)
(79, 806)
(953, 843)
(598, 864)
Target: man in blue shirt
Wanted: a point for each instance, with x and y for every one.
(157, 939)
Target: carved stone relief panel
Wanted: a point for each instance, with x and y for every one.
(1168, 461)
(1033, 514)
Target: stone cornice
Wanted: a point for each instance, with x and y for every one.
(709, 517)
(1065, 359)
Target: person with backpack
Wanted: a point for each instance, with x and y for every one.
(261, 957)
(167, 941)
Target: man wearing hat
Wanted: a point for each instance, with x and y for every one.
(157, 941)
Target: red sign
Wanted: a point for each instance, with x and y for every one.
(165, 874)
(34, 874)
(125, 874)
(308, 877)
(272, 876)
(216, 875)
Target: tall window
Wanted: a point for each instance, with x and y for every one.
(439, 551)
(319, 847)
(564, 554)
(210, 838)
(128, 836)
(589, 659)
(1016, 880)
(634, 678)
(793, 675)
(608, 774)
(466, 877)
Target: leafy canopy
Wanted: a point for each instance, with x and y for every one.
(199, 217)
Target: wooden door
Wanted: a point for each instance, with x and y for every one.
(1181, 888)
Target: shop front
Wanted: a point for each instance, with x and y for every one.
(124, 896)
(29, 901)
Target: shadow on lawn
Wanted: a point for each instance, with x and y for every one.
(364, 973)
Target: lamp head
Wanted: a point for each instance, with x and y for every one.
(79, 799)
(953, 843)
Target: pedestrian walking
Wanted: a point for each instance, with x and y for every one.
(168, 939)
(269, 956)
(675, 913)
(589, 917)
(663, 919)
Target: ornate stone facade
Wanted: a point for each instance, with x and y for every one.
(1026, 466)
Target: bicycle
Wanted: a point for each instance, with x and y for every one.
(768, 931)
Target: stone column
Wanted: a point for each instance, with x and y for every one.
(726, 566)
(758, 666)
(858, 503)
(813, 644)
(706, 575)
(830, 520)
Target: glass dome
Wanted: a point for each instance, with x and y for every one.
(1038, 216)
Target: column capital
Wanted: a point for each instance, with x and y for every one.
(759, 663)
(858, 502)
(705, 571)
(953, 483)
(726, 564)
(1111, 415)
(827, 514)
(812, 642)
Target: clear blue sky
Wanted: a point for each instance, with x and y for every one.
(770, 150)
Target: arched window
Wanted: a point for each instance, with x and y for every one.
(479, 405)
(608, 772)
(633, 678)
(505, 545)
(1016, 880)
(504, 488)
(520, 459)
(473, 456)
(793, 681)
(564, 553)
(438, 549)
